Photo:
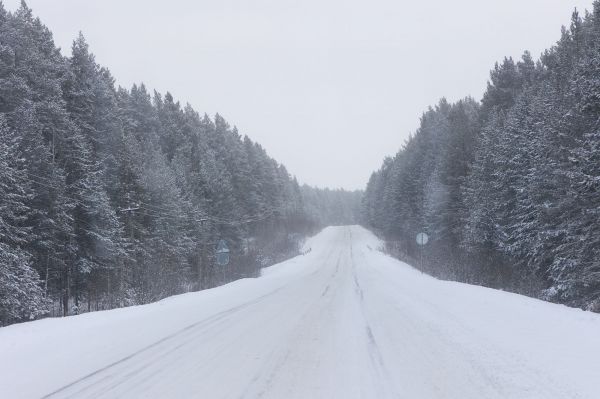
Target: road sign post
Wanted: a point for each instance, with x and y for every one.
(422, 240)
(222, 256)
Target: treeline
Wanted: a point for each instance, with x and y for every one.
(112, 197)
(329, 207)
(508, 188)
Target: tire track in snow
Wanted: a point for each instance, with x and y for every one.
(189, 333)
(482, 357)
(196, 327)
(258, 387)
(377, 360)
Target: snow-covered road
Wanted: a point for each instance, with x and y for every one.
(342, 321)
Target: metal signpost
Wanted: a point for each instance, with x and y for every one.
(222, 256)
(422, 239)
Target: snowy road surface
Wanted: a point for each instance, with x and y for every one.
(343, 321)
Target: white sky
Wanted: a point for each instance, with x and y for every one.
(329, 88)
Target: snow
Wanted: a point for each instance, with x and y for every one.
(341, 321)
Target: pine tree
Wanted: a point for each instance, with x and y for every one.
(21, 294)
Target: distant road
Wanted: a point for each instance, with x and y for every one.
(343, 321)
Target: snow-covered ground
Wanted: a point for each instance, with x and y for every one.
(342, 321)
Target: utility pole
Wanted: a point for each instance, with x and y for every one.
(422, 239)
(203, 272)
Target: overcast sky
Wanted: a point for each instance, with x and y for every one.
(329, 88)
